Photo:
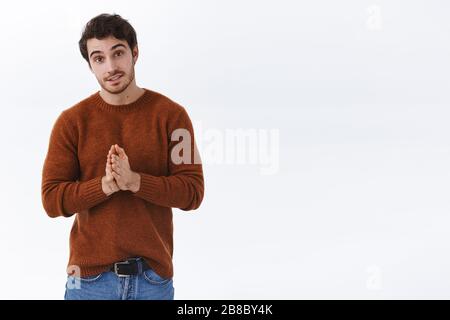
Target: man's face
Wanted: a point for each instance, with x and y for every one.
(111, 58)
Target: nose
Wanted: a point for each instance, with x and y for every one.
(110, 67)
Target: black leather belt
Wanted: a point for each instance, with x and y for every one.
(129, 267)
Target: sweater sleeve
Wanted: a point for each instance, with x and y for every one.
(62, 194)
(183, 188)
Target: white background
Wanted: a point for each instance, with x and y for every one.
(359, 91)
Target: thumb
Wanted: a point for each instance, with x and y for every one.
(112, 150)
(120, 151)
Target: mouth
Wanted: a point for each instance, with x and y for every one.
(115, 78)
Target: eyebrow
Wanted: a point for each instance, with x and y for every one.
(112, 48)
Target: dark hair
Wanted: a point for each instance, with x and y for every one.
(103, 26)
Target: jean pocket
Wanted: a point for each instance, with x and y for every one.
(92, 278)
(153, 278)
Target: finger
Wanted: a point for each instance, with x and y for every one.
(116, 175)
(112, 150)
(120, 151)
(108, 172)
(117, 148)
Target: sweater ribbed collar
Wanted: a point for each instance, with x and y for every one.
(135, 105)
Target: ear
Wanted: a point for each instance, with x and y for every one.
(135, 53)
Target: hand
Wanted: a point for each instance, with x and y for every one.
(109, 185)
(125, 178)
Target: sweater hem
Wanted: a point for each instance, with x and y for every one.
(87, 271)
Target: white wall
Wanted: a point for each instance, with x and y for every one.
(358, 91)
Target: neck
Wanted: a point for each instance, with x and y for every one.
(130, 94)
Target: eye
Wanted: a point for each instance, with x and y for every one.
(119, 52)
(97, 58)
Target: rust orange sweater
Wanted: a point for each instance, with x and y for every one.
(124, 224)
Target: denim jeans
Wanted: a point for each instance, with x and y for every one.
(108, 286)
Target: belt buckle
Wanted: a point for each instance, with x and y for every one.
(116, 269)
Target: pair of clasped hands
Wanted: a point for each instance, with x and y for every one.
(119, 175)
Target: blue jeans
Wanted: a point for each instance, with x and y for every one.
(108, 286)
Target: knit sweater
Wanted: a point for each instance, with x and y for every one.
(125, 224)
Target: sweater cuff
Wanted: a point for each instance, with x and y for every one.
(150, 187)
(93, 193)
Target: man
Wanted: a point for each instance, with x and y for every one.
(120, 160)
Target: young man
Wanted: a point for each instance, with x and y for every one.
(120, 160)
